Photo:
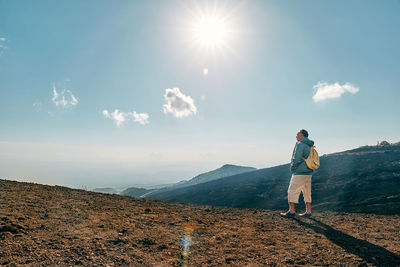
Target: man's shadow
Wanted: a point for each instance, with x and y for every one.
(369, 252)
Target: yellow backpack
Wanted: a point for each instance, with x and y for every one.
(313, 159)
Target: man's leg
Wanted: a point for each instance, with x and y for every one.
(306, 189)
(293, 196)
(292, 207)
(294, 190)
(308, 207)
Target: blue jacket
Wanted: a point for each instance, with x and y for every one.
(301, 150)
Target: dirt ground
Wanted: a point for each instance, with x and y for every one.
(57, 226)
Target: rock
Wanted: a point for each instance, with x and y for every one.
(162, 247)
(8, 228)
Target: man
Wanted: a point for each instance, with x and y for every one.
(301, 175)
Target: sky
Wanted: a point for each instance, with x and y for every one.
(97, 93)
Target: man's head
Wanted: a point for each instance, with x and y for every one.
(301, 134)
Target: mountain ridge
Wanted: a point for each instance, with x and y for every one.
(225, 170)
(135, 191)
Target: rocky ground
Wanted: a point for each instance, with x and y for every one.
(57, 226)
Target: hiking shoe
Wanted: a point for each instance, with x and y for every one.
(306, 214)
(288, 214)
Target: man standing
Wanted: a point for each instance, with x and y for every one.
(301, 175)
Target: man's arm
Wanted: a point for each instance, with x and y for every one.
(296, 160)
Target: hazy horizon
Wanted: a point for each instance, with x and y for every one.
(90, 175)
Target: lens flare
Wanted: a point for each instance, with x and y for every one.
(187, 242)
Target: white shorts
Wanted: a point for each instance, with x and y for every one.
(299, 183)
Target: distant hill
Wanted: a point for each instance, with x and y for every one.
(226, 170)
(107, 190)
(366, 179)
(135, 191)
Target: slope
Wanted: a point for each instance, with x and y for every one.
(57, 226)
(366, 179)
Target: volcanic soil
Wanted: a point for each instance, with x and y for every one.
(43, 225)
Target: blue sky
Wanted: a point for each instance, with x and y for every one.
(87, 92)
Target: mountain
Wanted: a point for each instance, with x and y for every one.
(43, 225)
(106, 190)
(226, 170)
(366, 179)
(135, 191)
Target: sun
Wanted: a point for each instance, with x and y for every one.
(212, 27)
(211, 31)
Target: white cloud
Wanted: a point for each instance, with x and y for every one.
(327, 91)
(141, 118)
(120, 117)
(117, 116)
(64, 99)
(178, 104)
(2, 46)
